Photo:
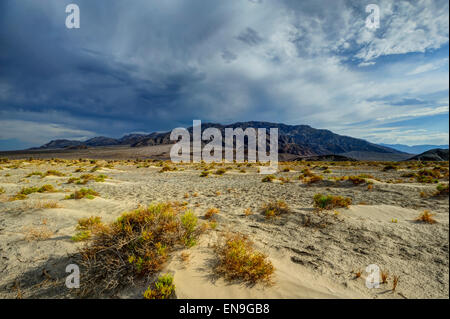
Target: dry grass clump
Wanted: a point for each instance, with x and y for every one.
(426, 217)
(395, 282)
(306, 172)
(42, 204)
(441, 190)
(275, 208)
(53, 173)
(312, 179)
(268, 178)
(204, 173)
(389, 167)
(220, 171)
(2, 190)
(356, 180)
(248, 211)
(83, 193)
(167, 168)
(37, 233)
(135, 245)
(35, 174)
(163, 288)
(85, 178)
(211, 212)
(330, 201)
(384, 277)
(238, 260)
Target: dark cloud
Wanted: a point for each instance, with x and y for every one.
(250, 37)
(153, 65)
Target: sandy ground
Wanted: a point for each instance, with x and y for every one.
(316, 255)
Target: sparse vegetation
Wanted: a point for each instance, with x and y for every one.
(441, 190)
(275, 208)
(35, 174)
(211, 212)
(53, 173)
(37, 233)
(238, 260)
(426, 217)
(83, 193)
(330, 201)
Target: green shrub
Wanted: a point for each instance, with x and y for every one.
(137, 244)
(331, 201)
(237, 259)
(163, 288)
(83, 193)
(275, 208)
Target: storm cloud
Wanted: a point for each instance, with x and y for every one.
(154, 65)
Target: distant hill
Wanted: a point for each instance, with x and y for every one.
(300, 140)
(437, 154)
(414, 149)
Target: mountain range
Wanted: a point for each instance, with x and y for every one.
(414, 149)
(299, 140)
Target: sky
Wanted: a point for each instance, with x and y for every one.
(148, 65)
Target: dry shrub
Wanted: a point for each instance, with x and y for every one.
(37, 233)
(275, 208)
(268, 178)
(389, 167)
(312, 179)
(135, 245)
(426, 217)
(330, 201)
(184, 256)
(384, 276)
(220, 171)
(237, 259)
(441, 190)
(53, 173)
(211, 212)
(83, 193)
(357, 180)
(42, 204)
(248, 211)
(395, 282)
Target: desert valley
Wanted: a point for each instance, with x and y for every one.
(309, 231)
